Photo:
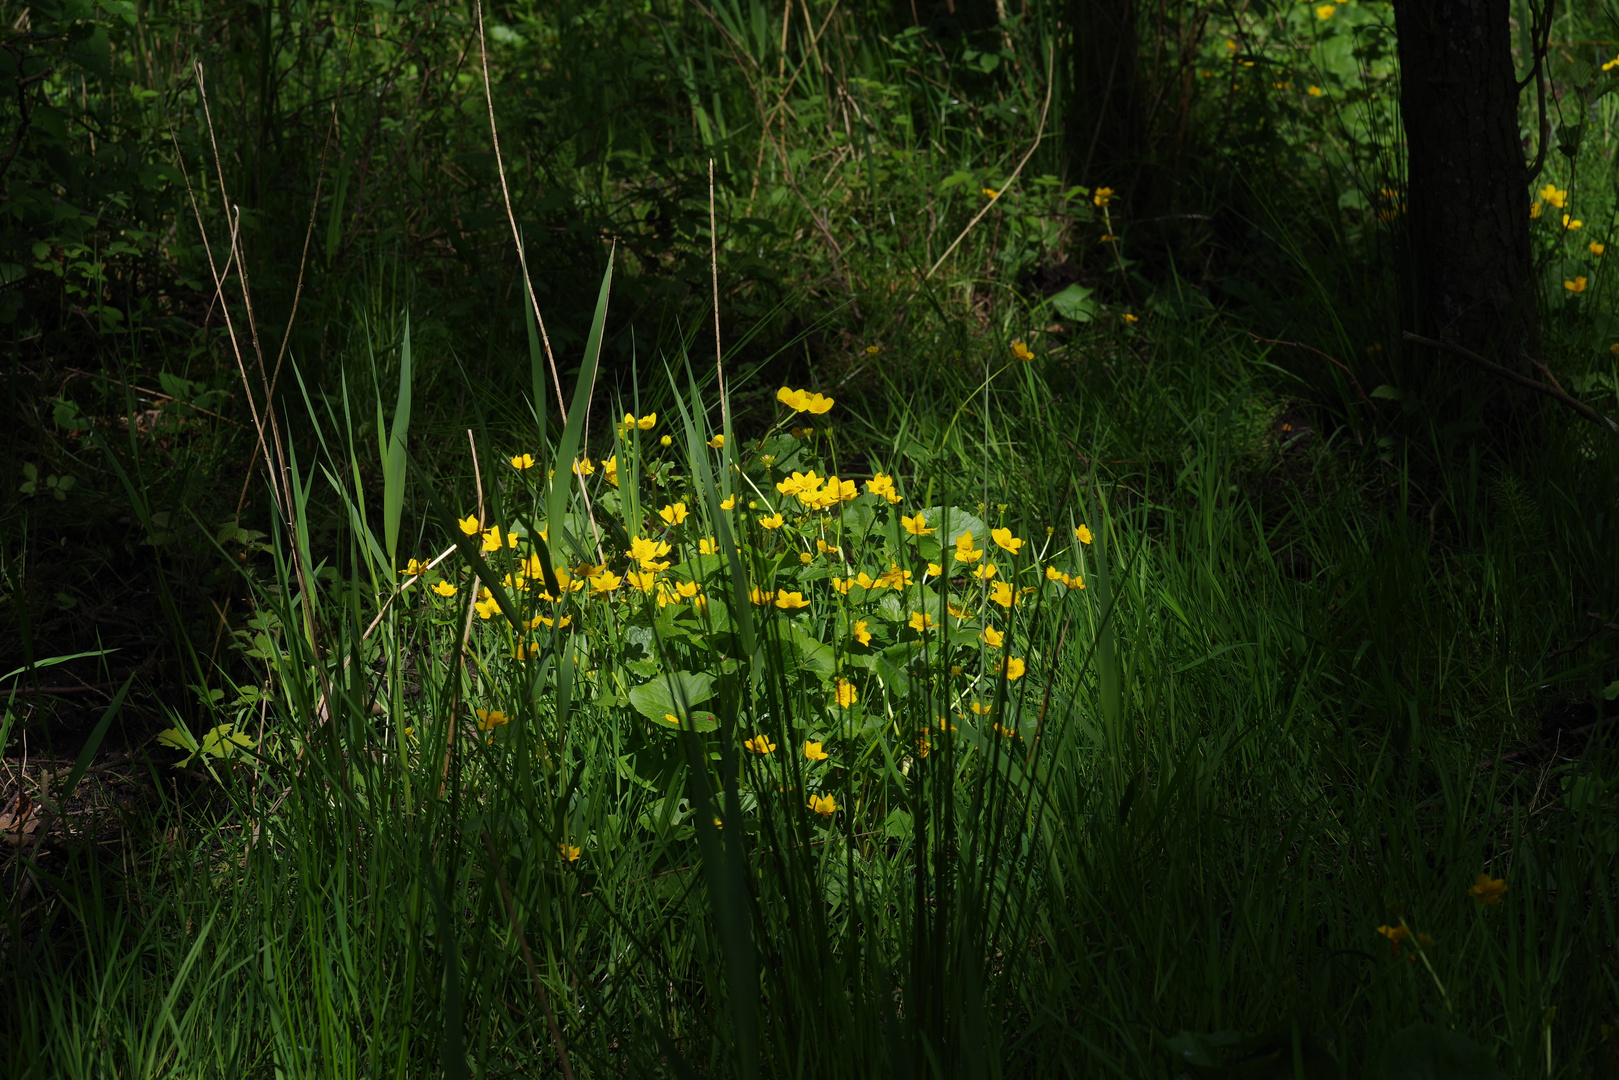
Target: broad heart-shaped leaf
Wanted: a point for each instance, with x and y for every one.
(950, 522)
(1075, 304)
(674, 693)
(815, 655)
(1429, 1052)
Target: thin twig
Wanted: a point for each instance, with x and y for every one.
(1039, 133)
(517, 237)
(1325, 356)
(1557, 394)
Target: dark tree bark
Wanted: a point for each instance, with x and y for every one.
(1467, 188)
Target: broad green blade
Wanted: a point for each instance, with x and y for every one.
(561, 485)
(393, 465)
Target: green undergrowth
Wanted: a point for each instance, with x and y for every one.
(1240, 803)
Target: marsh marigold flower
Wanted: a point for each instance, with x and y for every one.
(1596, 248)
(861, 634)
(604, 582)
(1571, 223)
(708, 546)
(523, 461)
(1575, 286)
(760, 744)
(1014, 668)
(1083, 534)
(992, 637)
(847, 694)
(1005, 540)
(1326, 11)
(469, 525)
(569, 852)
(1003, 594)
(813, 751)
(921, 621)
(760, 596)
(804, 401)
(916, 526)
(774, 521)
(965, 552)
(791, 601)
(825, 805)
(489, 719)
(1553, 195)
(673, 515)
(1487, 890)
(717, 442)
(414, 568)
(1104, 195)
(444, 588)
(1022, 351)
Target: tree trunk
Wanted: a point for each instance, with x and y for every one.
(1467, 193)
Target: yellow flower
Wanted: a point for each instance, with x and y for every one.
(813, 751)
(922, 622)
(1572, 223)
(414, 568)
(894, 577)
(992, 637)
(717, 442)
(708, 546)
(1083, 534)
(916, 526)
(728, 504)
(1596, 248)
(884, 486)
(774, 521)
(1005, 540)
(1014, 667)
(760, 596)
(526, 652)
(444, 588)
(980, 709)
(760, 744)
(667, 440)
(1130, 318)
(610, 470)
(523, 461)
(873, 350)
(1002, 594)
(604, 582)
(1577, 285)
(847, 694)
(673, 515)
(965, 552)
(935, 570)
(1554, 196)
(842, 584)
(791, 601)
(1487, 890)
(1534, 209)
(489, 719)
(583, 468)
(985, 572)
(804, 401)
(491, 539)
(486, 608)
(825, 805)
(991, 193)
(806, 557)
(469, 525)
(1104, 195)
(647, 552)
(861, 634)
(1325, 11)
(1314, 91)
(647, 422)
(1022, 351)
(958, 611)
(1611, 64)
(569, 852)
(643, 580)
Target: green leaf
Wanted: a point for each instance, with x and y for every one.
(815, 655)
(1388, 393)
(674, 693)
(393, 465)
(1075, 304)
(1429, 1052)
